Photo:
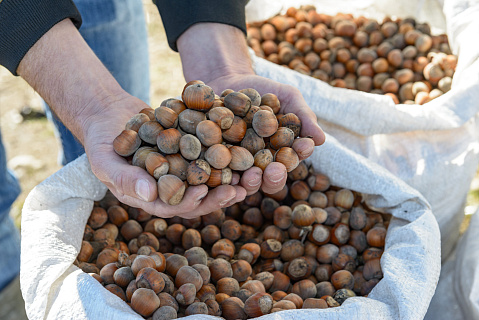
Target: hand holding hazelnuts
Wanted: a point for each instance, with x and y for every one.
(206, 138)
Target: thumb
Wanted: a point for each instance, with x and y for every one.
(122, 178)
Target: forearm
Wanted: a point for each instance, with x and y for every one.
(67, 74)
(207, 52)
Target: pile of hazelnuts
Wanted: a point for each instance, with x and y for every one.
(399, 58)
(205, 138)
(311, 245)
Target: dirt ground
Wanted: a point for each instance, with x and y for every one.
(31, 145)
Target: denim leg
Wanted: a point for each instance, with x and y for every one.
(9, 235)
(116, 32)
(10, 244)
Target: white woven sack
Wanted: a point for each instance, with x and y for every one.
(56, 211)
(433, 147)
(457, 293)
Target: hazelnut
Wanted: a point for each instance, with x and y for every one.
(231, 230)
(222, 116)
(252, 142)
(198, 97)
(149, 131)
(189, 120)
(342, 279)
(166, 117)
(190, 238)
(288, 157)
(131, 229)
(177, 165)
(186, 294)
(190, 147)
(198, 172)
(264, 123)
(249, 252)
(263, 158)
(187, 274)
(149, 278)
(218, 156)
(168, 141)
(171, 189)
(238, 102)
(219, 177)
(220, 268)
(241, 159)
(254, 96)
(136, 122)
(126, 143)
(236, 132)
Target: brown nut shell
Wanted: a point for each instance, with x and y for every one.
(238, 102)
(198, 172)
(209, 133)
(218, 156)
(241, 159)
(126, 143)
(171, 189)
(219, 177)
(264, 123)
(288, 157)
(236, 132)
(222, 116)
(168, 141)
(199, 97)
(156, 165)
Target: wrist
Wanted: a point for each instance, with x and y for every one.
(69, 77)
(210, 51)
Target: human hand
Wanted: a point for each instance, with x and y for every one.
(66, 73)
(133, 185)
(226, 65)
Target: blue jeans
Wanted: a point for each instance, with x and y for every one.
(116, 31)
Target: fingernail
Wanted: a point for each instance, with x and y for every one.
(200, 198)
(256, 181)
(142, 189)
(277, 177)
(225, 202)
(307, 152)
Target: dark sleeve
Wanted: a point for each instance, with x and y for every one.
(179, 15)
(23, 22)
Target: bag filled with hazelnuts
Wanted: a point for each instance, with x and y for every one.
(413, 105)
(58, 216)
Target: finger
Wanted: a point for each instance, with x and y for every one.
(251, 180)
(235, 179)
(274, 177)
(310, 126)
(121, 177)
(217, 198)
(192, 199)
(303, 147)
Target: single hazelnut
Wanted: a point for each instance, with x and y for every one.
(189, 120)
(126, 143)
(168, 141)
(241, 159)
(288, 157)
(198, 97)
(236, 132)
(171, 189)
(264, 123)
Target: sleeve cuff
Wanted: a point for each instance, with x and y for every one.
(23, 22)
(179, 15)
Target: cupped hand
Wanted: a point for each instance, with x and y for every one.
(221, 64)
(291, 101)
(133, 185)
